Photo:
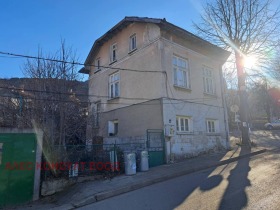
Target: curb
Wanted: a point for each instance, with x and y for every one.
(108, 194)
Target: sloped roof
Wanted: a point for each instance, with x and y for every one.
(163, 24)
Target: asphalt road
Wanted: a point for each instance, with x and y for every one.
(250, 183)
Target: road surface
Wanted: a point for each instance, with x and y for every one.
(250, 183)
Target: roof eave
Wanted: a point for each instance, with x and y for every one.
(119, 26)
(221, 53)
(84, 70)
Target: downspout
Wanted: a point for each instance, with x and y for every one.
(224, 108)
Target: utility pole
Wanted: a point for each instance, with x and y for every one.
(243, 99)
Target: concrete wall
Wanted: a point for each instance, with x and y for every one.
(196, 63)
(154, 53)
(198, 140)
(133, 121)
(132, 84)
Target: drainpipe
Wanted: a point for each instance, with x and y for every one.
(224, 108)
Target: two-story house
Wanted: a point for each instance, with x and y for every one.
(146, 73)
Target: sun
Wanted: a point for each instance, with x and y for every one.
(250, 61)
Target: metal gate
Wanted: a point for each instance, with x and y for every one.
(156, 147)
(17, 165)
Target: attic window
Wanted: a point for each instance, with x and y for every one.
(97, 64)
(132, 43)
(113, 53)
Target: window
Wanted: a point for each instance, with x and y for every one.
(181, 72)
(212, 126)
(132, 42)
(97, 112)
(113, 127)
(113, 53)
(114, 85)
(183, 124)
(208, 81)
(97, 64)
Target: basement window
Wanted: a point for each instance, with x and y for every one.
(212, 126)
(183, 124)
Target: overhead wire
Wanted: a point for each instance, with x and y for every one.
(76, 63)
(100, 96)
(108, 103)
(92, 95)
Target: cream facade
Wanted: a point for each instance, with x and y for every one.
(146, 73)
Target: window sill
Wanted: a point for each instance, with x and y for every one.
(185, 133)
(112, 136)
(113, 62)
(131, 51)
(112, 99)
(210, 94)
(213, 134)
(182, 88)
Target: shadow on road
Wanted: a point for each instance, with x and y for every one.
(235, 196)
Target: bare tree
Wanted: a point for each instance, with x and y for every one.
(56, 106)
(244, 27)
(275, 65)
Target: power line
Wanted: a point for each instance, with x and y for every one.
(98, 96)
(44, 99)
(76, 63)
(117, 103)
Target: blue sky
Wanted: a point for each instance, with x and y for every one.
(26, 25)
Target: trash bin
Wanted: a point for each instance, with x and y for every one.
(144, 161)
(130, 163)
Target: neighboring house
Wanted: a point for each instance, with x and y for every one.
(147, 73)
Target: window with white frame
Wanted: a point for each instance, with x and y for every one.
(113, 53)
(212, 126)
(181, 72)
(114, 85)
(183, 124)
(132, 42)
(113, 127)
(208, 80)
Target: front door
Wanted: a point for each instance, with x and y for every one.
(156, 147)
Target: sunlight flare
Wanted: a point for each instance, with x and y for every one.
(250, 61)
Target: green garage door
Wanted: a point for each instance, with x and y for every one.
(17, 165)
